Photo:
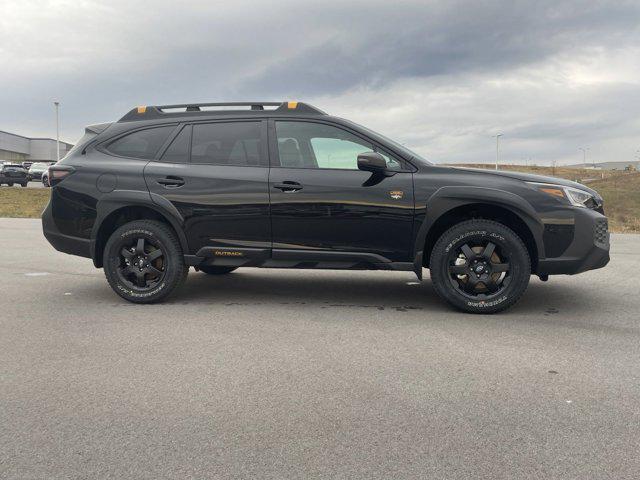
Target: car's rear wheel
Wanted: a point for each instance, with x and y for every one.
(216, 270)
(45, 181)
(10, 184)
(480, 266)
(24, 184)
(143, 261)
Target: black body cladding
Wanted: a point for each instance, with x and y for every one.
(279, 185)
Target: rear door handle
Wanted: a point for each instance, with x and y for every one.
(171, 181)
(288, 186)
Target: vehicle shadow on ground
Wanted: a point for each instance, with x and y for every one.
(401, 292)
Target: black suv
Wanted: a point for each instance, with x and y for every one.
(10, 174)
(284, 185)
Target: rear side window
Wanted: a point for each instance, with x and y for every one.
(141, 144)
(231, 143)
(178, 151)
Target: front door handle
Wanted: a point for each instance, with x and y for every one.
(288, 186)
(171, 182)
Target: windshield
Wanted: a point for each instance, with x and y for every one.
(406, 152)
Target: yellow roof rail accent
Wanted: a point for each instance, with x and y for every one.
(292, 105)
(142, 109)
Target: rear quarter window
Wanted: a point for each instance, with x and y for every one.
(142, 144)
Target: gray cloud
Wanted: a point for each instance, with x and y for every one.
(440, 76)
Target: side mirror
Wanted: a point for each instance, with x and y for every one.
(372, 162)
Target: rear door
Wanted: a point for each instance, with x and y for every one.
(322, 203)
(216, 176)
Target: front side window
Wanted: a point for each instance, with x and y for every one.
(317, 145)
(230, 143)
(142, 143)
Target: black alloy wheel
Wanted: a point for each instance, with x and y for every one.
(480, 266)
(141, 264)
(479, 269)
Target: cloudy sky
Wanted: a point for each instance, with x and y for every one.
(442, 77)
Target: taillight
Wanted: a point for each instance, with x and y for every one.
(57, 173)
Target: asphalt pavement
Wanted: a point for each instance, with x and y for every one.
(277, 374)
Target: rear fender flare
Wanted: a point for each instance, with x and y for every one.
(118, 199)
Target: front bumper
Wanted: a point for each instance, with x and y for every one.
(589, 249)
(60, 241)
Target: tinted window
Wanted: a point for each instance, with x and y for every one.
(316, 145)
(13, 168)
(178, 151)
(233, 143)
(141, 144)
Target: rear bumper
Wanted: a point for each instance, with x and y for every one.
(61, 242)
(589, 249)
(13, 179)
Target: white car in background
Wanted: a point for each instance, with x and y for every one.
(45, 177)
(37, 169)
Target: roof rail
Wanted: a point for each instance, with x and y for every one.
(189, 109)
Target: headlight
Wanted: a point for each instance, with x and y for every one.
(575, 196)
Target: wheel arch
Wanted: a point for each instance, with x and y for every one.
(114, 212)
(452, 205)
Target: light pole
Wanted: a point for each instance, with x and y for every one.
(498, 149)
(57, 104)
(584, 156)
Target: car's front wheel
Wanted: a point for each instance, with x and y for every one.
(143, 261)
(216, 270)
(480, 266)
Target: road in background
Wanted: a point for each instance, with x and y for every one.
(313, 374)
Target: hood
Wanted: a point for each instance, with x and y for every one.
(530, 177)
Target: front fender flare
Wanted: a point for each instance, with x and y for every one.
(446, 199)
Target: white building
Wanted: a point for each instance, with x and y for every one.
(16, 148)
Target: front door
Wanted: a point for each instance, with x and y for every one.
(323, 205)
(216, 174)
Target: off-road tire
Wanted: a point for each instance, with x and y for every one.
(174, 269)
(216, 270)
(479, 230)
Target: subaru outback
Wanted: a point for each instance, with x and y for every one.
(284, 185)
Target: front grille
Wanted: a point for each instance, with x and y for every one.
(601, 234)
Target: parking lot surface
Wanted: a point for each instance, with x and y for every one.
(313, 374)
